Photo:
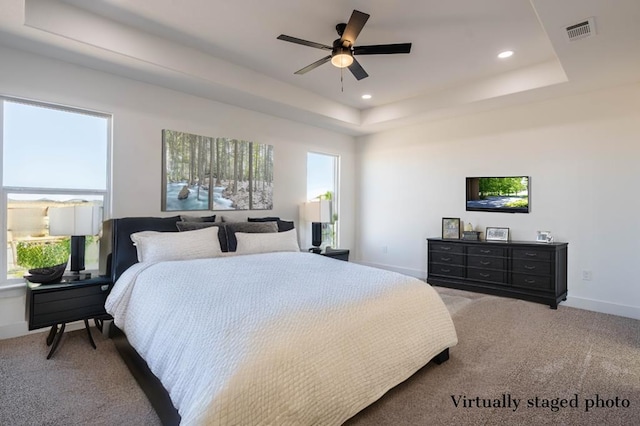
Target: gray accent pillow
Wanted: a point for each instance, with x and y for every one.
(189, 218)
(283, 225)
(248, 227)
(222, 231)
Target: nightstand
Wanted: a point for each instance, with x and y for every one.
(340, 254)
(55, 305)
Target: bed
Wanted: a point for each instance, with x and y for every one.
(283, 337)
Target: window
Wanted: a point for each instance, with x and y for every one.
(52, 156)
(322, 183)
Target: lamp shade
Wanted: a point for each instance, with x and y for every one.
(75, 220)
(317, 211)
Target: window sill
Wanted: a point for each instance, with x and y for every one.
(13, 290)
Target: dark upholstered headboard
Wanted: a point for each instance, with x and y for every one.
(117, 252)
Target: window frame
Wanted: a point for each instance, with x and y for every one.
(6, 190)
(335, 209)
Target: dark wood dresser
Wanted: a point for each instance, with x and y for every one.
(521, 269)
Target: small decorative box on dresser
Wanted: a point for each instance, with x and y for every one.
(525, 270)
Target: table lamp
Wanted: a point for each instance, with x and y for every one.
(317, 212)
(77, 222)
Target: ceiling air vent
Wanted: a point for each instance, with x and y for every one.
(581, 30)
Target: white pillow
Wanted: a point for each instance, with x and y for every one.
(267, 242)
(155, 246)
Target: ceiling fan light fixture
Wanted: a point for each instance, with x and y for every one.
(343, 49)
(341, 57)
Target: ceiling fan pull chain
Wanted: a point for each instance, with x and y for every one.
(341, 81)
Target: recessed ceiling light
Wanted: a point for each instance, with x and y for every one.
(367, 96)
(505, 54)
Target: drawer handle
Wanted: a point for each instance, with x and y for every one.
(104, 287)
(485, 251)
(529, 267)
(445, 270)
(530, 281)
(531, 254)
(485, 262)
(445, 259)
(485, 275)
(446, 248)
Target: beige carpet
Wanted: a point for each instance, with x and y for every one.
(507, 347)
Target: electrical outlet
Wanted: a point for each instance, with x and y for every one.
(587, 276)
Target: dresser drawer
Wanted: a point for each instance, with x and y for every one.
(486, 275)
(486, 262)
(71, 304)
(70, 293)
(486, 251)
(527, 266)
(448, 258)
(446, 270)
(532, 254)
(46, 319)
(447, 248)
(48, 305)
(534, 282)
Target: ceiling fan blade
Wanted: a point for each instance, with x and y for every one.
(354, 26)
(316, 64)
(356, 69)
(382, 49)
(303, 42)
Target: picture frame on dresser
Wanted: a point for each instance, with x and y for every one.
(450, 228)
(544, 237)
(496, 234)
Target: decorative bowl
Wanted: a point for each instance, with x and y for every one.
(48, 275)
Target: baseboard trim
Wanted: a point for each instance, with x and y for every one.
(16, 329)
(406, 271)
(603, 307)
(19, 329)
(572, 302)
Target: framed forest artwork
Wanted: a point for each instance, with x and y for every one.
(207, 173)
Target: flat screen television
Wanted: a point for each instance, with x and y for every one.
(508, 194)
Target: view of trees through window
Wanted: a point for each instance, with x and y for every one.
(52, 157)
(322, 183)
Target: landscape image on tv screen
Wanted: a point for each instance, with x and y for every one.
(502, 194)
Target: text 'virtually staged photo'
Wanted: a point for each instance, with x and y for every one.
(207, 173)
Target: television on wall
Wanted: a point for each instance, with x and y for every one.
(507, 194)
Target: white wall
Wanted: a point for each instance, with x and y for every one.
(140, 112)
(582, 154)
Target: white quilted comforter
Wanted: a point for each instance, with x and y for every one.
(277, 338)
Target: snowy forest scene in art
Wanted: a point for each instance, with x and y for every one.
(206, 173)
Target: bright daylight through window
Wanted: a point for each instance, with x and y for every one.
(322, 183)
(51, 157)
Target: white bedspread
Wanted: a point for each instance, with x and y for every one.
(277, 338)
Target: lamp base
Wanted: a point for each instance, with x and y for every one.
(316, 250)
(77, 253)
(316, 234)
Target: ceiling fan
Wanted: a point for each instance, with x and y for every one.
(343, 49)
